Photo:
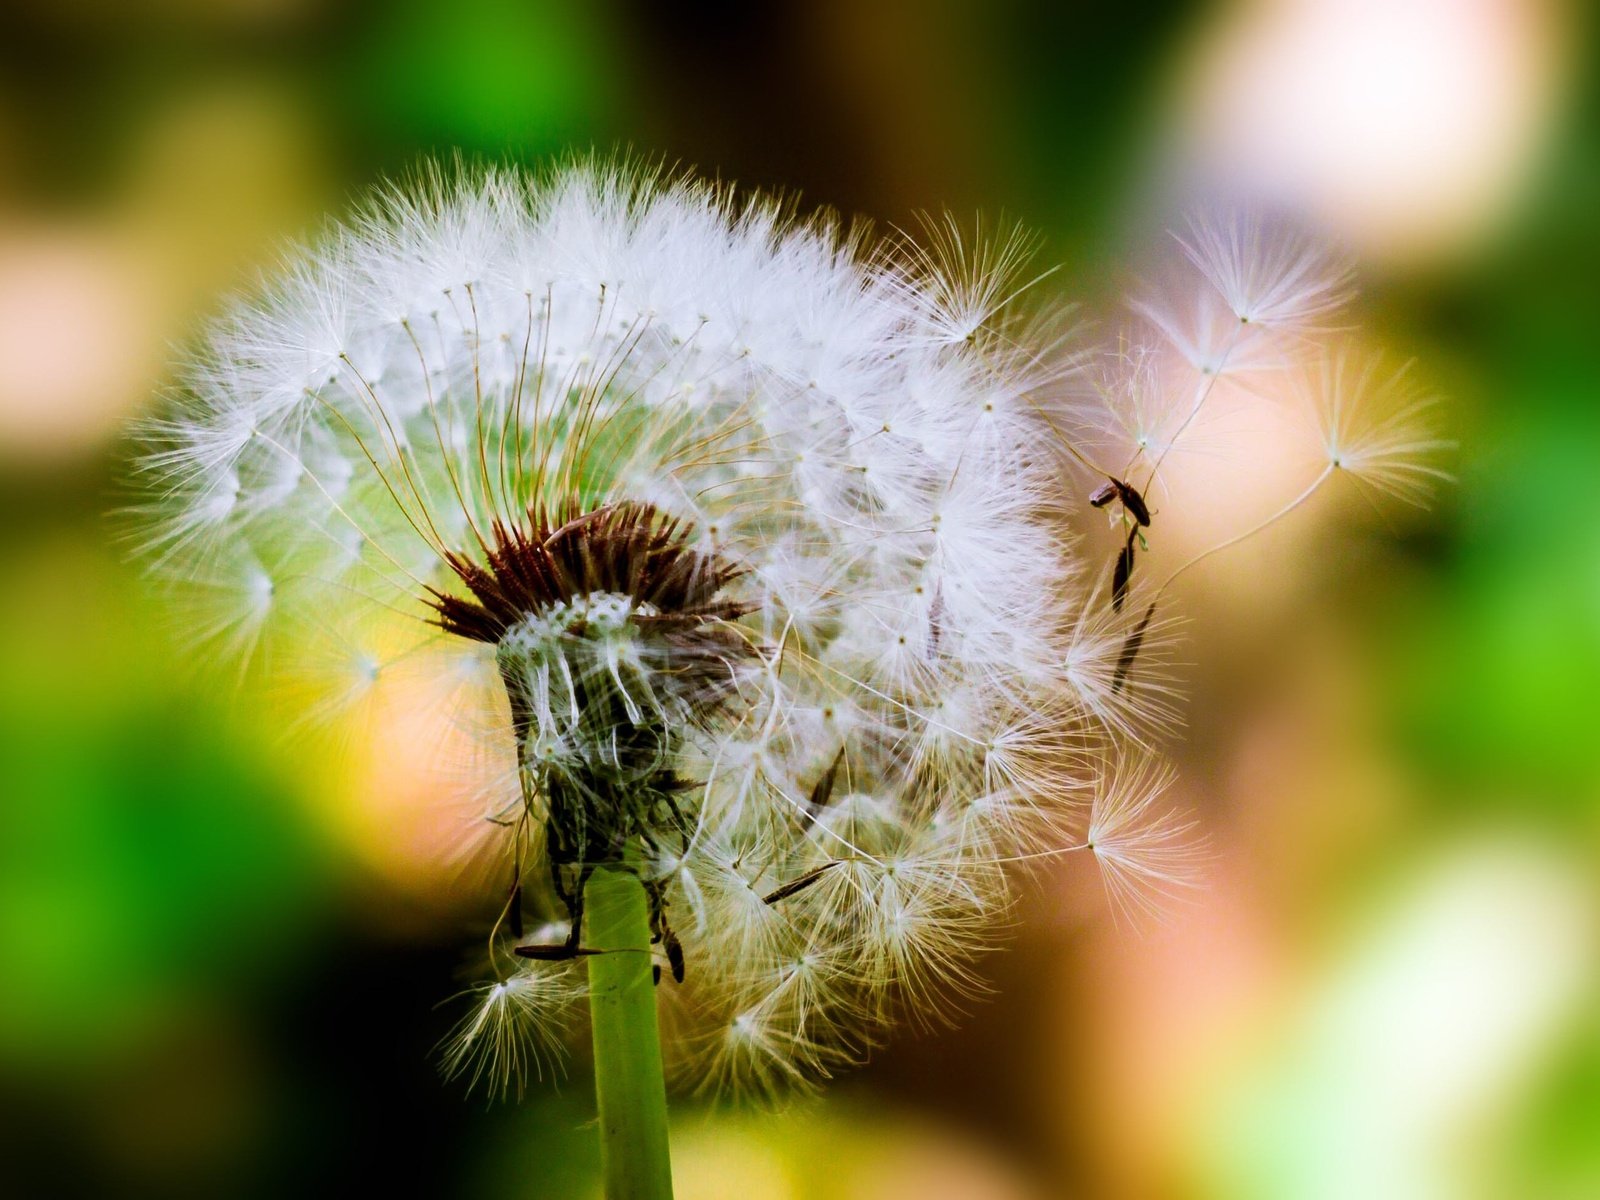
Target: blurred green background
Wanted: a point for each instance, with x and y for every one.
(220, 963)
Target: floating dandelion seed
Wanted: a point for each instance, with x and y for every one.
(1252, 327)
(1372, 420)
(1268, 274)
(743, 544)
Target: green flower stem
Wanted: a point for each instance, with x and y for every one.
(627, 1040)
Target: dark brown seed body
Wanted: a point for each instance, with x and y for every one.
(1122, 571)
(1130, 649)
(822, 790)
(798, 885)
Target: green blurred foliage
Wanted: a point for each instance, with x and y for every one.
(1505, 644)
(493, 77)
(158, 866)
(146, 852)
(1555, 1155)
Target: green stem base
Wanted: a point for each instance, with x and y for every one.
(629, 1084)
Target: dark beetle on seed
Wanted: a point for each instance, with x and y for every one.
(1117, 489)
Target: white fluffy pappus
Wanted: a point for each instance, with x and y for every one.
(753, 532)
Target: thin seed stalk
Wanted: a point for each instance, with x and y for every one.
(629, 1082)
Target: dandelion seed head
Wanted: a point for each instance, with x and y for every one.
(738, 546)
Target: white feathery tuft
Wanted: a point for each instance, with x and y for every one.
(1373, 422)
(513, 1029)
(1149, 856)
(1268, 274)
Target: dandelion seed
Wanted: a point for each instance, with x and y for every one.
(1205, 333)
(512, 1031)
(1148, 856)
(1267, 275)
(763, 1050)
(1130, 705)
(1373, 423)
(964, 282)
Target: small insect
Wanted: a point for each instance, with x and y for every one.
(1118, 489)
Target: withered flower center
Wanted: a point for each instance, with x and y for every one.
(626, 549)
(613, 640)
